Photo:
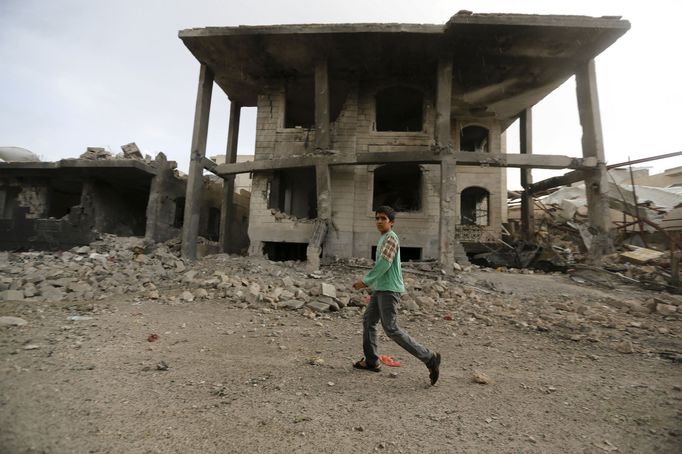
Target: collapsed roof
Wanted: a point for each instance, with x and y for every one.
(503, 63)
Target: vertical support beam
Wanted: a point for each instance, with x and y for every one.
(444, 102)
(446, 228)
(596, 180)
(527, 208)
(195, 180)
(160, 212)
(324, 192)
(322, 128)
(324, 215)
(227, 208)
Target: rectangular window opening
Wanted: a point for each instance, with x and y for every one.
(294, 192)
(282, 252)
(299, 109)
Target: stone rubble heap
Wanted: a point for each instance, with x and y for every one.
(128, 269)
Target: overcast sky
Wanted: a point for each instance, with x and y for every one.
(79, 73)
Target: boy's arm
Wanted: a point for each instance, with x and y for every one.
(388, 253)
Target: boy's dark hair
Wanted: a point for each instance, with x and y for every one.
(387, 210)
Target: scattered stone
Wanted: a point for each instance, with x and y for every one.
(318, 306)
(328, 290)
(480, 377)
(162, 366)
(11, 295)
(187, 296)
(666, 309)
(78, 318)
(291, 304)
(624, 347)
(31, 347)
(12, 321)
(201, 293)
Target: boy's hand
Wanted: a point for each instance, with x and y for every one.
(358, 285)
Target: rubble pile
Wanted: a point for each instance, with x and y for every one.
(128, 269)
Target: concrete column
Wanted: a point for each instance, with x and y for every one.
(444, 102)
(324, 192)
(527, 209)
(322, 128)
(160, 207)
(596, 180)
(324, 215)
(190, 228)
(446, 229)
(227, 209)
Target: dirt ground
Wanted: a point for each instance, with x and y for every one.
(223, 378)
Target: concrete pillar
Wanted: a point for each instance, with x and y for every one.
(446, 228)
(444, 103)
(324, 215)
(527, 209)
(190, 228)
(160, 206)
(324, 192)
(227, 208)
(322, 123)
(596, 180)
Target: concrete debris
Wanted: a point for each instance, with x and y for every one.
(110, 269)
(96, 154)
(130, 151)
(12, 321)
(480, 378)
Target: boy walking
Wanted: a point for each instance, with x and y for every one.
(386, 282)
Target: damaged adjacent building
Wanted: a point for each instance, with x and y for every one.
(352, 116)
(52, 205)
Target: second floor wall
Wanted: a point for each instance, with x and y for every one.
(365, 116)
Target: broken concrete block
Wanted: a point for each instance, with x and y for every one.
(131, 151)
(51, 294)
(328, 290)
(624, 347)
(291, 304)
(287, 281)
(318, 306)
(11, 295)
(189, 276)
(409, 305)
(425, 301)
(201, 293)
(187, 296)
(12, 321)
(666, 309)
(641, 255)
(331, 302)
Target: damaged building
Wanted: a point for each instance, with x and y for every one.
(58, 205)
(54, 205)
(352, 116)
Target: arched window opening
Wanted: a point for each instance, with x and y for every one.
(399, 108)
(475, 206)
(474, 138)
(398, 186)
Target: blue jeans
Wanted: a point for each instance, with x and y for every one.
(382, 307)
